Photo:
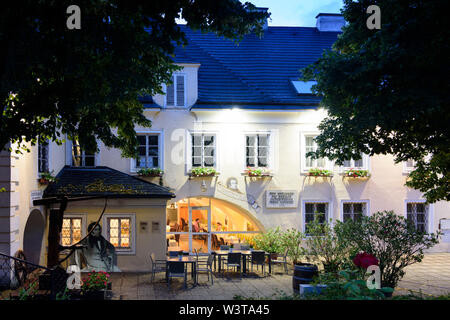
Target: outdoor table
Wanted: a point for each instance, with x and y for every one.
(245, 254)
(186, 259)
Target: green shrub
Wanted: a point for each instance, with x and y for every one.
(291, 240)
(323, 245)
(391, 239)
(269, 241)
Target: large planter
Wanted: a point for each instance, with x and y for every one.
(303, 274)
(93, 295)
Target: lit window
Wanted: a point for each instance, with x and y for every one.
(354, 210)
(81, 158)
(311, 146)
(71, 231)
(315, 211)
(257, 150)
(148, 151)
(119, 232)
(417, 214)
(203, 150)
(43, 157)
(175, 92)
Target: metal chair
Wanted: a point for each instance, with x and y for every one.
(258, 258)
(234, 259)
(206, 266)
(245, 246)
(176, 269)
(224, 247)
(157, 265)
(282, 260)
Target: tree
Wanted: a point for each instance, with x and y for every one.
(86, 83)
(386, 91)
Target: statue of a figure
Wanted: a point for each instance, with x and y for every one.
(98, 252)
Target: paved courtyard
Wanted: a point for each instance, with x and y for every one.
(431, 277)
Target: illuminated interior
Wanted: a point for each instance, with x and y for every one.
(205, 223)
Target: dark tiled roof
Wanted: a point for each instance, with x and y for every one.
(256, 70)
(102, 181)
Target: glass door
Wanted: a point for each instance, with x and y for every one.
(199, 228)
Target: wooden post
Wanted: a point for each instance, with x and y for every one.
(54, 232)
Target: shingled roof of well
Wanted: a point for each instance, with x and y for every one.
(102, 181)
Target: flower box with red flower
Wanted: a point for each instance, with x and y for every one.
(94, 286)
(357, 173)
(257, 172)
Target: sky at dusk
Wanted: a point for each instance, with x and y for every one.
(299, 13)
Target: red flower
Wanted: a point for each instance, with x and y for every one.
(364, 260)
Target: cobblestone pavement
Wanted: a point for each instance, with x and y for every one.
(431, 277)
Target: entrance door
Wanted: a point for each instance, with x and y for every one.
(199, 229)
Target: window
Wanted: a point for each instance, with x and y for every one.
(257, 150)
(311, 146)
(409, 165)
(353, 210)
(119, 232)
(315, 210)
(417, 214)
(81, 158)
(43, 157)
(175, 92)
(71, 231)
(203, 150)
(356, 164)
(149, 149)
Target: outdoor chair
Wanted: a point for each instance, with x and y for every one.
(176, 269)
(157, 266)
(234, 260)
(282, 260)
(258, 258)
(206, 266)
(224, 247)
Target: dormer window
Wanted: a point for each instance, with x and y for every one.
(303, 87)
(81, 158)
(176, 92)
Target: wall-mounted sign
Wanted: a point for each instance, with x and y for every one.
(35, 195)
(281, 199)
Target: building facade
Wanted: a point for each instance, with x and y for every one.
(231, 107)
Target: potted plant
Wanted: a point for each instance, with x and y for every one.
(317, 172)
(257, 172)
(203, 172)
(47, 178)
(94, 286)
(150, 172)
(356, 173)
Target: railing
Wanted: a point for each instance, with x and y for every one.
(21, 279)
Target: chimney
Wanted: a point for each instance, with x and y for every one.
(329, 22)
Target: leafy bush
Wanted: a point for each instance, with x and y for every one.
(269, 241)
(324, 245)
(391, 239)
(349, 285)
(291, 240)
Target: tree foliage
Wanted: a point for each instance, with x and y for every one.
(386, 90)
(86, 83)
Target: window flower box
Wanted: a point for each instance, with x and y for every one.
(257, 172)
(150, 172)
(46, 178)
(203, 172)
(356, 173)
(316, 172)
